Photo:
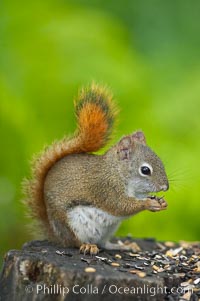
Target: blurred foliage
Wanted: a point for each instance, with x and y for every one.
(146, 51)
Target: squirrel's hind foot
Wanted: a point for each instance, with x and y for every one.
(89, 249)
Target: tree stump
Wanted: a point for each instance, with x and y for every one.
(151, 271)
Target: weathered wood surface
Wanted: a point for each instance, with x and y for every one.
(44, 271)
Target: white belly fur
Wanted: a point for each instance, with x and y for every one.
(92, 225)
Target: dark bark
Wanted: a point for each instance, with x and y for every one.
(44, 271)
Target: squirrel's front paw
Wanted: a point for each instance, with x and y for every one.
(89, 249)
(156, 204)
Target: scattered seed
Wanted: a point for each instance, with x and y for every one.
(160, 270)
(169, 253)
(182, 257)
(179, 274)
(142, 258)
(115, 264)
(132, 245)
(187, 245)
(187, 296)
(195, 256)
(129, 265)
(184, 264)
(138, 267)
(141, 274)
(177, 250)
(133, 254)
(164, 262)
(171, 259)
(88, 260)
(160, 246)
(60, 252)
(90, 270)
(166, 258)
(169, 244)
(64, 253)
(197, 269)
(155, 267)
(173, 252)
(44, 251)
(186, 283)
(133, 271)
(101, 258)
(120, 243)
(104, 259)
(196, 281)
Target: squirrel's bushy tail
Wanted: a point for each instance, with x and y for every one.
(95, 112)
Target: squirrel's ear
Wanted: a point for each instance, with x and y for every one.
(139, 137)
(124, 148)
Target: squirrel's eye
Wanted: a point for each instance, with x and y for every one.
(145, 170)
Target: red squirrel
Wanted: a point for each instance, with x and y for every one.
(80, 198)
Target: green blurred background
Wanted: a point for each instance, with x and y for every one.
(148, 52)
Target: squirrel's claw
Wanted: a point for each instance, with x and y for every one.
(89, 249)
(157, 204)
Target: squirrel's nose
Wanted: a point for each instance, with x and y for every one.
(165, 187)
